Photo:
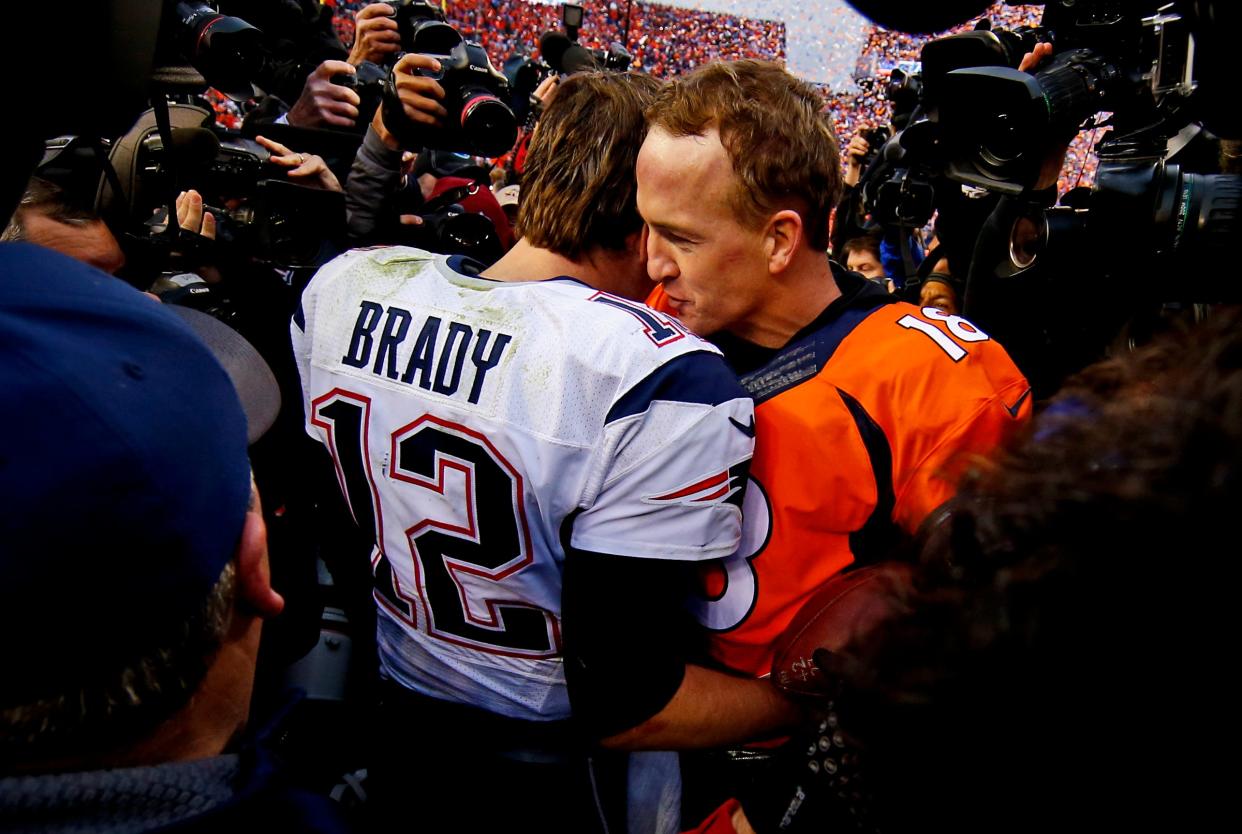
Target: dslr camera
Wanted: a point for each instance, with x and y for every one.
(478, 121)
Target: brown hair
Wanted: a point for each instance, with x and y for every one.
(578, 189)
(50, 200)
(779, 141)
(120, 706)
(860, 243)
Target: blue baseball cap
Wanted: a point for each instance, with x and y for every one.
(124, 476)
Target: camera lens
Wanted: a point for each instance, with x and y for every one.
(1027, 239)
(431, 37)
(488, 123)
(1003, 139)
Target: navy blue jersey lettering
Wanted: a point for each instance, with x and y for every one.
(423, 354)
(360, 345)
(395, 328)
(660, 329)
(482, 363)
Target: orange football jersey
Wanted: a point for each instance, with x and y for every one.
(864, 422)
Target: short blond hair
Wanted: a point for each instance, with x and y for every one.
(779, 141)
(578, 190)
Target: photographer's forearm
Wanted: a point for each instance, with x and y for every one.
(372, 181)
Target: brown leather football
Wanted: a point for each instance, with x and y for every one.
(845, 609)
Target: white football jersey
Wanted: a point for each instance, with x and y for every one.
(475, 423)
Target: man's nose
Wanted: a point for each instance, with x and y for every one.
(660, 267)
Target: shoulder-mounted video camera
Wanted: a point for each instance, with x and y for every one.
(565, 55)
(260, 215)
(989, 139)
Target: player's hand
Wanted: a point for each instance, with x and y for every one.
(192, 218)
(855, 152)
(324, 104)
(817, 781)
(377, 35)
(307, 167)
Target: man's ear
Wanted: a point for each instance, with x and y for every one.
(254, 576)
(782, 237)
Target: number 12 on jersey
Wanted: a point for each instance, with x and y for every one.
(461, 508)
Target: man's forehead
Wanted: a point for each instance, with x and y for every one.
(862, 256)
(90, 242)
(688, 159)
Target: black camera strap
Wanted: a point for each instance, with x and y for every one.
(908, 267)
(163, 123)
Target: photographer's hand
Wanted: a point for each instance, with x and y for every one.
(546, 90)
(420, 96)
(192, 218)
(377, 36)
(855, 152)
(302, 166)
(1032, 59)
(323, 103)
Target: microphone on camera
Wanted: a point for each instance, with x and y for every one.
(565, 56)
(193, 146)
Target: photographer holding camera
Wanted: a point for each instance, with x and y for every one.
(376, 34)
(388, 200)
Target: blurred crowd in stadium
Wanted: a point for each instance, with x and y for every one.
(667, 41)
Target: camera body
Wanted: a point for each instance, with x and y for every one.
(566, 56)
(368, 82)
(876, 138)
(478, 120)
(451, 230)
(999, 126)
(982, 123)
(448, 227)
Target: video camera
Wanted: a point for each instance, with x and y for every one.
(565, 55)
(561, 55)
(261, 217)
(259, 213)
(989, 140)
